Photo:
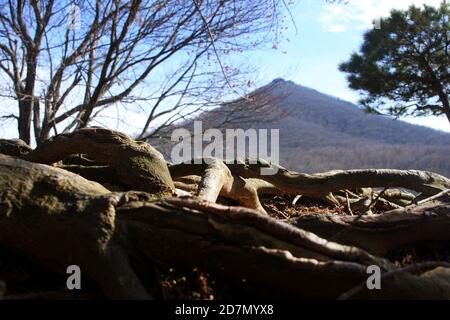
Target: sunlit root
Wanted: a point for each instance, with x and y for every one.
(216, 179)
(428, 183)
(80, 222)
(56, 218)
(137, 164)
(381, 233)
(319, 186)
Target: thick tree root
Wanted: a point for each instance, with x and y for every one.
(216, 179)
(57, 218)
(14, 147)
(244, 183)
(381, 233)
(318, 184)
(137, 164)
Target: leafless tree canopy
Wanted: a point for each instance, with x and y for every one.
(66, 61)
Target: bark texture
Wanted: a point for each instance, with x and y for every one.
(55, 218)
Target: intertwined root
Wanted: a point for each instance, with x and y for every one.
(244, 183)
(56, 218)
(136, 164)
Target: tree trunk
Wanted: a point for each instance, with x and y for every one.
(25, 117)
(446, 106)
(26, 99)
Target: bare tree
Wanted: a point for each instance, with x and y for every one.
(65, 62)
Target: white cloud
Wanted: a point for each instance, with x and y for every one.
(360, 13)
(337, 28)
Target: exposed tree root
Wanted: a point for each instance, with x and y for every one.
(137, 164)
(234, 181)
(415, 268)
(14, 147)
(56, 218)
(217, 177)
(102, 174)
(217, 180)
(318, 184)
(392, 229)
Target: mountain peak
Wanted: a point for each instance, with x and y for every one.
(278, 80)
(319, 132)
(281, 81)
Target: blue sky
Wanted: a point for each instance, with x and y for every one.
(326, 35)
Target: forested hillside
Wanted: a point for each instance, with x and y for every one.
(319, 132)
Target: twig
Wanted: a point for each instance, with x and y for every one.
(415, 203)
(348, 203)
(374, 201)
(297, 197)
(437, 195)
(360, 214)
(291, 16)
(208, 29)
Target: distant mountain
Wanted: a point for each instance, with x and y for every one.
(319, 132)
